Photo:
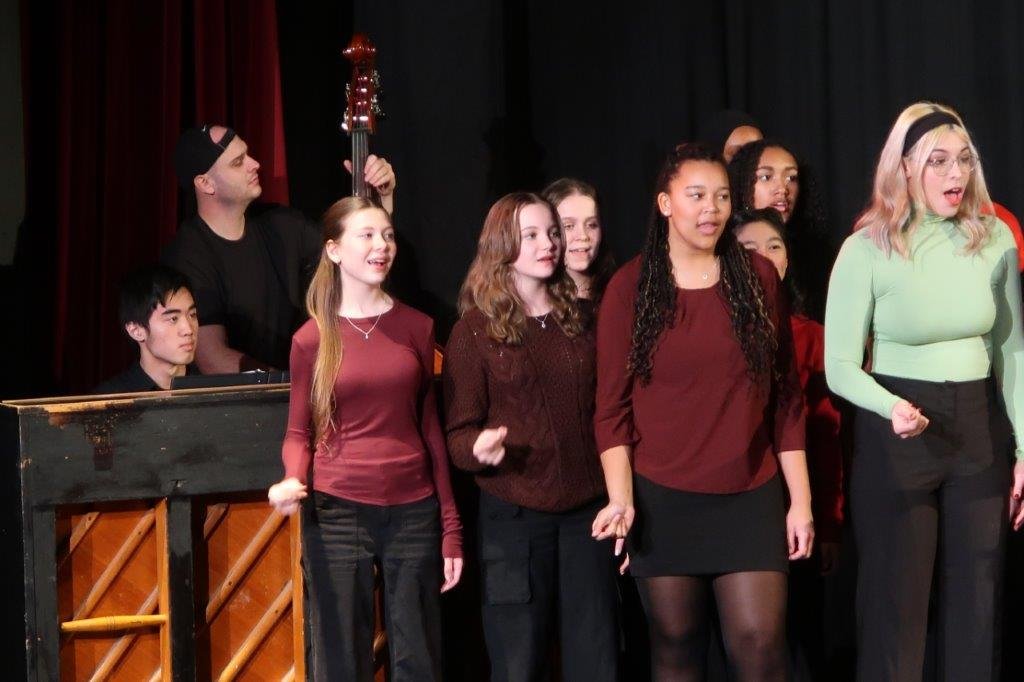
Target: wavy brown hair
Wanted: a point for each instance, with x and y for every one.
(490, 286)
(897, 202)
(323, 301)
(655, 307)
(603, 266)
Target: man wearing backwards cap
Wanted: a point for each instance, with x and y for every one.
(249, 274)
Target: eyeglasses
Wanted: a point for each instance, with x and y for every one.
(942, 164)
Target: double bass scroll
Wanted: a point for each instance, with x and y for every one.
(362, 108)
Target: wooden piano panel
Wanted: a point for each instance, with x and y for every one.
(107, 566)
(249, 630)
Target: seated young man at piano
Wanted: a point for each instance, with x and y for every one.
(159, 314)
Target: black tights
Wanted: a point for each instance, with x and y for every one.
(751, 608)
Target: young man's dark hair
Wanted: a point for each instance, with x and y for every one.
(159, 313)
(146, 288)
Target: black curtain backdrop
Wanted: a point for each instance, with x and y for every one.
(488, 97)
(484, 98)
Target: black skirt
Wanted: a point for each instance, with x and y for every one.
(685, 533)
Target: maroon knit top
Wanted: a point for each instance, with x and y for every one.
(387, 447)
(543, 391)
(700, 425)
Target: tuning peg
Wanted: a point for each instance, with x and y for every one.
(375, 107)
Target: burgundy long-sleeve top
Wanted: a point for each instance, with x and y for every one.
(824, 452)
(700, 425)
(543, 392)
(387, 446)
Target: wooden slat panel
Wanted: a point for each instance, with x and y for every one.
(253, 643)
(243, 563)
(111, 572)
(248, 563)
(298, 670)
(113, 657)
(163, 586)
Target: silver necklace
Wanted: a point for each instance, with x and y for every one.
(706, 275)
(366, 334)
(543, 320)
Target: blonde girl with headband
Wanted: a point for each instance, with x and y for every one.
(935, 282)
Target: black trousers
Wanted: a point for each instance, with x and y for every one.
(341, 542)
(937, 501)
(540, 568)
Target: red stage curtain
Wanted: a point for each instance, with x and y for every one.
(124, 78)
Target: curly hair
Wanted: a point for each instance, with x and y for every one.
(490, 286)
(741, 289)
(603, 266)
(808, 238)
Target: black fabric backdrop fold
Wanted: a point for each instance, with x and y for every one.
(487, 97)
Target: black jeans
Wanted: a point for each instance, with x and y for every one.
(539, 566)
(341, 541)
(941, 493)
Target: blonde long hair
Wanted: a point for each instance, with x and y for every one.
(490, 286)
(898, 203)
(323, 301)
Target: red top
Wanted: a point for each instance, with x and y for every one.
(1011, 221)
(387, 447)
(824, 454)
(541, 390)
(700, 425)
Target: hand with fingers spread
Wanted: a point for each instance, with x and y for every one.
(452, 573)
(614, 521)
(1017, 496)
(800, 531)
(286, 495)
(907, 420)
(489, 447)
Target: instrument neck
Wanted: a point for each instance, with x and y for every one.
(360, 150)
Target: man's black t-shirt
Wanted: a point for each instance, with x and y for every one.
(255, 286)
(133, 380)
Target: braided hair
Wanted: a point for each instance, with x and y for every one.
(655, 307)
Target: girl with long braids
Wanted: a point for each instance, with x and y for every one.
(588, 258)
(363, 423)
(767, 174)
(519, 406)
(935, 282)
(698, 407)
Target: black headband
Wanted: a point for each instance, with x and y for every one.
(924, 124)
(197, 152)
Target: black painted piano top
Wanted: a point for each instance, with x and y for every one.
(142, 445)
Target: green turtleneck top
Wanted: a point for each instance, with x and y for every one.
(939, 315)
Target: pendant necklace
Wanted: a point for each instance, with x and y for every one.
(366, 334)
(706, 275)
